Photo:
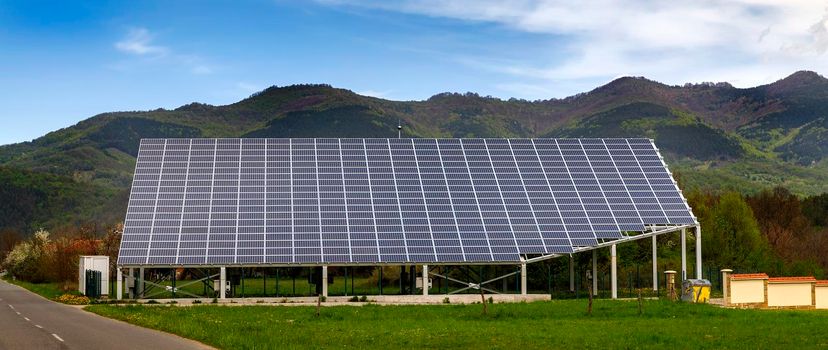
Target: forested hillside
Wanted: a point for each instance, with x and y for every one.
(714, 136)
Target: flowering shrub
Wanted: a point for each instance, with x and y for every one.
(73, 299)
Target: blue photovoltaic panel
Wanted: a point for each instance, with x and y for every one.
(313, 201)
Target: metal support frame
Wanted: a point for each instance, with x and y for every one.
(614, 271)
(470, 285)
(177, 289)
(652, 232)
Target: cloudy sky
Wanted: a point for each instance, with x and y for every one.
(62, 62)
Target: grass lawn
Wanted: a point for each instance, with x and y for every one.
(50, 290)
(614, 324)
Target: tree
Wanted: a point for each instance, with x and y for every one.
(779, 215)
(732, 236)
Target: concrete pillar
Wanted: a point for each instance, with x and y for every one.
(523, 279)
(325, 281)
(425, 279)
(222, 282)
(571, 273)
(726, 286)
(594, 272)
(671, 284)
(698, 253)
(131, 283)
(655, 264)
(119, 283)
(683, 254)
(141, 282)
(614, 271)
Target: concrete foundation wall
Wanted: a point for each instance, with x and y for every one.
(789, 294)
(747, 291)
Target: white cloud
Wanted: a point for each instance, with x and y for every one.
(373, 93)
(745, 41)
(139, 42)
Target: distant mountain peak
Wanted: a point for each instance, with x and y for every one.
(803, 77)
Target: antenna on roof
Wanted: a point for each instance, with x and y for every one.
(399, 128)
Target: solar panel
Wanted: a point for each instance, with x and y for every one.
(315, 201)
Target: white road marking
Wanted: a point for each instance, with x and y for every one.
(39, 326)
(57, 337)
(26, 318)
(17, 312)
(11, 306)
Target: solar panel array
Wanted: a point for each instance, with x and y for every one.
(292, 201)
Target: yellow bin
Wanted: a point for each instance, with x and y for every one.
(695, 291)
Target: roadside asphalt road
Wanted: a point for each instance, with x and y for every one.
(29, 321)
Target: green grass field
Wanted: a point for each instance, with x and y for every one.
(564, 323)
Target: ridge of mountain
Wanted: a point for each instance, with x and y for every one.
(713, 134)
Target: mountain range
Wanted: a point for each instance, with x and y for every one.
(714, 136)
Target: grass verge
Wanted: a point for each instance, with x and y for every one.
(50, 290)
(614, 324)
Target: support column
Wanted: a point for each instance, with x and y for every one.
(131, 282)
(614, 271)
(119, 283)
(726, 286)
(325, 281)
(523, 278)
(571, 273)
(698, 253)
(594, 272)
(141, 282)
(425, 279)
(655, 264)
(683, 254)
(222, 282)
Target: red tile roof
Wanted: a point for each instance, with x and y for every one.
(792, 279)
(822, 283)
(748, 276)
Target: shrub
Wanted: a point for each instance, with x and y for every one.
(363, 298)
(354, 299)
(446, 300)
(197, 301)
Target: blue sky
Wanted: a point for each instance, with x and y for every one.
(63, 62)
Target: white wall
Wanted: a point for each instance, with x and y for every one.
(822, 297)
(97, 263)
(789, 294)
(747, 291)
